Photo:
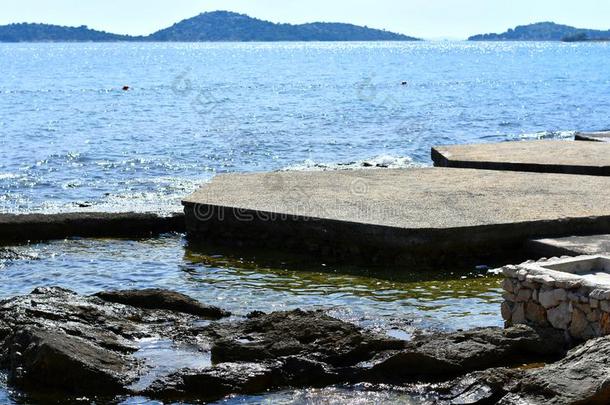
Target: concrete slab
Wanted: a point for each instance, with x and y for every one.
(570, 246)
(602, 136)
(20, 228)
(546, 156)
(387, 215)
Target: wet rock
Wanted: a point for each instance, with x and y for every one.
(243, 378)
(461, 352)
(478, 388)
(214, 383)
(578, 378)
(52, 360)
(280, 334)
(581, 377)
(56, 340)
(155, 298)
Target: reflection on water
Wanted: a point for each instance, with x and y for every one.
(343, 395)
(396, 301)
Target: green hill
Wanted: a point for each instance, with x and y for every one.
(26, 32)
(213, 26)
(543, 31)
(228, 26)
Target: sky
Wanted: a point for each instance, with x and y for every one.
(431, 19)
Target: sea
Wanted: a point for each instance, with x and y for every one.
(137, 126)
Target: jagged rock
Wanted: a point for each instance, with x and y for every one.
(581, 377)
(578, 378)
(478, 388)
(270, 336)
(214, 383)
(52, 360)
(155, 298)
(477, 349)
(56, 340)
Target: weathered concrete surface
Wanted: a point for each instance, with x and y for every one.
(546, 156)
(38, 227)
(602, 136)
(570, 246)
(437, 214)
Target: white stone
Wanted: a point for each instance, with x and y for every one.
(559, 317)
(551, 298)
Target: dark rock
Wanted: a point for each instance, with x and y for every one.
(51, 360)
(280, 334)
(462, 352)
(479, 388)
(56, 340)
(155, 298)
(579, 378)
(214, 383)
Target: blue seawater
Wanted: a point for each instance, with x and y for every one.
(72, 139)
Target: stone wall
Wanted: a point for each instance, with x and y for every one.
(538, 296)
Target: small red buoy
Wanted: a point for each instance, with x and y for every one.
(125, 88)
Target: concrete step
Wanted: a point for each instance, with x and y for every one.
(546, 156)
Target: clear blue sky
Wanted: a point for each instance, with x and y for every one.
(422, 18)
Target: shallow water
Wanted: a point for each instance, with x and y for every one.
(396, 301)
(71, 139)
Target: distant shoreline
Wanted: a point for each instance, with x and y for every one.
(217, 26)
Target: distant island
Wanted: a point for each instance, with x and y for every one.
(217, 26)
(545, 31)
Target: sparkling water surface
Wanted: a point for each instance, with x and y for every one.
(72, 140)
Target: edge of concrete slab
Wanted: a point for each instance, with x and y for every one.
(601, 136)
(572, 245)
(353, 242)
(441, 160)
(39, 227)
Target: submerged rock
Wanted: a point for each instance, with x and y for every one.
(155, 298)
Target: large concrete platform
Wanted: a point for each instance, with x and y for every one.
(546, 156)
(424, 214)
(570, 246)
(602, 136)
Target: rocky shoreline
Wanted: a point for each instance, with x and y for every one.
(57, 342)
